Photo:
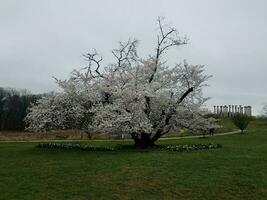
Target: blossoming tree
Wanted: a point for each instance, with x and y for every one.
(142, 97)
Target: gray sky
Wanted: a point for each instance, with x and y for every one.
(45, 38)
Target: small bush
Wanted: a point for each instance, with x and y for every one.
(241, 121)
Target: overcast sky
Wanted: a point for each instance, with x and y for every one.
(44, 38)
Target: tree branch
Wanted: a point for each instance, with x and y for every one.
(185, 95)
(92, 58)
(126, 54)
(165, 41)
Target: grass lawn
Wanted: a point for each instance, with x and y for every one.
(236, 171)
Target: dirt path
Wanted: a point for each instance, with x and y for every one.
(169, 138)
(200, 136)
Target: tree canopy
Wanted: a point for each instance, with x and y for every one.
(241, 121)
(143, 97)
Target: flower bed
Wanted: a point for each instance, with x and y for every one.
(178, 148)
(72, 146)
(191, 147)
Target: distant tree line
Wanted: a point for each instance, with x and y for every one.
(14, 105)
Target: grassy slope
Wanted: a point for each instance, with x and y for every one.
(236, 171)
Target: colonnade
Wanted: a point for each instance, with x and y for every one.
(232, 109)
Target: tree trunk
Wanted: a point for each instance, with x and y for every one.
(89, 135)
(144, 141)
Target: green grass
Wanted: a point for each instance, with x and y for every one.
(236, 171)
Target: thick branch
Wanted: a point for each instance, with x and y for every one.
(148, 106)
(168, 117)
(92, 58)
(185, 95)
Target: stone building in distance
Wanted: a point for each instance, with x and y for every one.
(230, 110)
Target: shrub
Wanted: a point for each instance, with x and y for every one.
(241, 121)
